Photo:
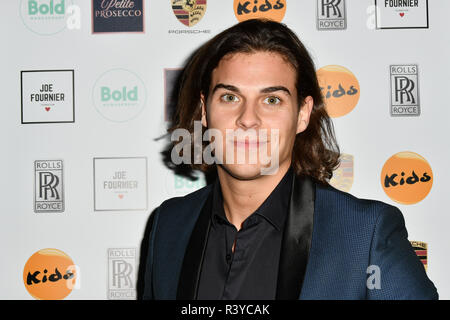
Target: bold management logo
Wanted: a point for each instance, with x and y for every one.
(47, 96)
(45, 17)
(48, 186)
(404, 90)
(401, 14)
(406, 177)
(120, 184)
(177, 185)
(122, 273)
(340, 89)
(50, 274)
(331, 15)
(119, 95)
(267, 9)
(117, 16)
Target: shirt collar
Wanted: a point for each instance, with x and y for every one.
(273, 209)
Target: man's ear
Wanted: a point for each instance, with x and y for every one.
(304, 114)
(203, 106)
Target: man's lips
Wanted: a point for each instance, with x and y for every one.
(248, 143)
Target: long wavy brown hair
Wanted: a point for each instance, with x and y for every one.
(315, 152)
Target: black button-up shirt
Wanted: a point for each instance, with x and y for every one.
(251, 271)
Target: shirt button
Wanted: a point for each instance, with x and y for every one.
(228, 257)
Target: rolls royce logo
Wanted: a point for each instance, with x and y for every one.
(404, 90)
(331, 15)
(117, 16)
(122, 273)
(49, 191)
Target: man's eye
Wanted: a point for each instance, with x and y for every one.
(272, 100)
(229, 98)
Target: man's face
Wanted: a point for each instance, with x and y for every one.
(255, 93)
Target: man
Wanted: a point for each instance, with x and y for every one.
(270, 229)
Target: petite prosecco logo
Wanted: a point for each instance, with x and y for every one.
(117, 16)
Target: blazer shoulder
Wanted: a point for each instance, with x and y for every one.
(191, 199)
(331, 197)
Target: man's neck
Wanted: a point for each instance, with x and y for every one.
(242, 197)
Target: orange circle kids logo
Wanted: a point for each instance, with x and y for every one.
(254, 9)
(49, 274)
(340, 89)
(406, 177)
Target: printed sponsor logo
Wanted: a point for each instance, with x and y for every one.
(120, 184)
(50, 274)
(47, 96)
(406, 177)
(189, 12)
(49, 187)
(122, 273)
(340, 89)
(331, 15)
(117, 16)
(421, 250)
(404, 90)
(401, 14)
(119, 95)
(177, 185)
(257, 9)
(49, 17)
(343, 176)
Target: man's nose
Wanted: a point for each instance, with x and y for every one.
(248, 116)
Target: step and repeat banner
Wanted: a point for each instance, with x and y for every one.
(86, 91)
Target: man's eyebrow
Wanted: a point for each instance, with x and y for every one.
(225, 86)
(265, 90)
(275, 88)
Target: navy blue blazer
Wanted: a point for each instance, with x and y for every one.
(334, 246)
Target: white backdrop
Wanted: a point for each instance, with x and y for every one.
(91, 225)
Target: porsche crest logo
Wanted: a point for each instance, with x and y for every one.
(343, 175)
(421, 250)
(189, 12)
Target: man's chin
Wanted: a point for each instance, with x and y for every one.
(244, 171)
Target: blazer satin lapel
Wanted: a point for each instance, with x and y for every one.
(296, 240)
(192, 261)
